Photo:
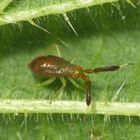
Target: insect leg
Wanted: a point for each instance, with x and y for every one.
(58, 50)
(88, 86)
(76, 84)
(58, 91)
(63, 81)
(47, 82)
(107, 68)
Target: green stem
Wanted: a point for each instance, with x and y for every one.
(71, 107)
(60, 8)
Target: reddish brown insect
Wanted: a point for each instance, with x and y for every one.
(54, 66)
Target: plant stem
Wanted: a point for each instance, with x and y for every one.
(71, 107)
(59, 8)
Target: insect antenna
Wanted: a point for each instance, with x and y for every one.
(107, 68)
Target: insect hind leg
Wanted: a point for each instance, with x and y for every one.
(58, 50)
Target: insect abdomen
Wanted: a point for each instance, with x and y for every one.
(51, 66)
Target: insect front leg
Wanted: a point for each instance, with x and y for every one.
(88, 86)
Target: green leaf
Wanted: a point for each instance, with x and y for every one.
(106, 33)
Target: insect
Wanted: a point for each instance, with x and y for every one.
(53, 66)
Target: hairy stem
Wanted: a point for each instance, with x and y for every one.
(71, 107)
(59, 8)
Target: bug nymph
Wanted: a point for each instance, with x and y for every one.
(54, 66)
